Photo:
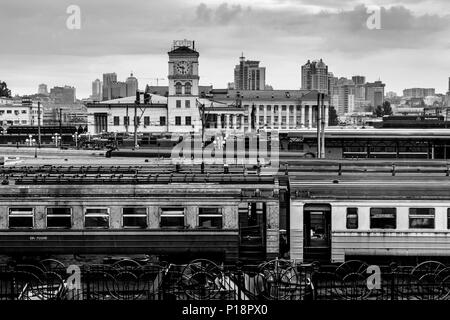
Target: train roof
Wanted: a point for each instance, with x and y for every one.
(371, 133)
(376, 180)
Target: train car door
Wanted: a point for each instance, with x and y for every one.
(317, 232)
(252, 231)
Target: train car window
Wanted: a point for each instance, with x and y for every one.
(134, 217)
(448, 218)
(96, 218)
(421, 218)
(21, 218)
(383, 218)
(172, 218)
(210, 218)
(352, 218)
(59, 217)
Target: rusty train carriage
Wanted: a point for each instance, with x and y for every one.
(173, 216)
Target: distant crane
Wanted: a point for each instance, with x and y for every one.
(157, 80)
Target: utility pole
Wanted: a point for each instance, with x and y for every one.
(60, 124)
(39, 124)
(319, 149)
(323, 120)
(138, 99)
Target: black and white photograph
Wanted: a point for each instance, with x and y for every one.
(224, 155)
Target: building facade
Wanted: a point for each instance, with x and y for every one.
(24, 113)
(43, 89)
(248, 75)
(132, 85)
(178, 107)
(63, 95)
(418, 92)
(315, 76)
(375, 93)
(97, 90)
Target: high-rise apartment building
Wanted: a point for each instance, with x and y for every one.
(375, 93)
(315, 76)
(97, 90)
(358, 80)
(63, 95)
(248, 75)
(43, 89)
(132, 85)
(418, 92)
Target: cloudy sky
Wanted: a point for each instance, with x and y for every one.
(412, 48)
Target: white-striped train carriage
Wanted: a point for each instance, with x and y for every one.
(378, 217)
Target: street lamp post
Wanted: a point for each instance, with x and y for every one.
(75, 137)
(56, 138)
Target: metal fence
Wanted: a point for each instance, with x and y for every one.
(205, 280)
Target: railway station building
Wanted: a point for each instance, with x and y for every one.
(178, 107)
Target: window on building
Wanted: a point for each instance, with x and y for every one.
(261, 120)
(172, 217)
(116, 121)
(283, 120)
(135, 217)
(283, 108)
(269, 107)
(291, 109)
(21, 217)
(261, 108)
(16, 121)
(96, 218)
(9, 111)
(352, 218)
(275, 119)
(298, 108)
(275, 108)
(146, 121)
(188, 121)
(421, 218)
(383, 218)
(210, 218)
(187, 103)
(24, 121)
(178, 103)
(24, 111)
(126, 121)
(187, 88)
(162, 121)
(178, 88)
(59, 217)
(178, 121)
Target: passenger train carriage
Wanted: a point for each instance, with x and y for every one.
(370, 215)
(332, 211)
(111, 211)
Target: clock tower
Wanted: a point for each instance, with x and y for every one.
(183, 114)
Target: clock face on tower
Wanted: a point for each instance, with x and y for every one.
(183, 67)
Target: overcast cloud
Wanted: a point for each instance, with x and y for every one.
(411, 49)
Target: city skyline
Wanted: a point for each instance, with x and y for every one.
(410, 50)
